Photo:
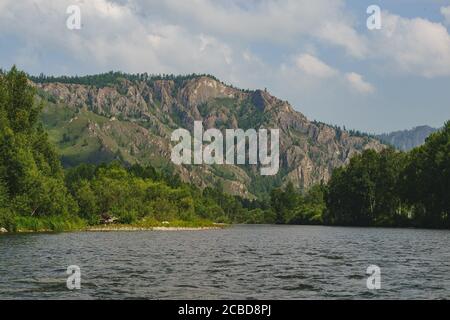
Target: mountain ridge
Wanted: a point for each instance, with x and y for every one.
(132, 119)
(408, 139)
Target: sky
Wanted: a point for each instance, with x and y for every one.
(318, 55)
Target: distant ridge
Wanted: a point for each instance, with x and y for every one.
(406, 140)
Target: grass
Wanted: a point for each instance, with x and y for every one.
(48, 224)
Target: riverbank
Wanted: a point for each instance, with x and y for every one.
(58, 224)
(114, 228)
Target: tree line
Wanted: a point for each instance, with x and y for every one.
(115, 77)
(394, 188)
(384, 189)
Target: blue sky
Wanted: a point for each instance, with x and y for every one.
(318, 55)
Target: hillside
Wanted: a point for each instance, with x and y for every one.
(131, 117)
(406, 140)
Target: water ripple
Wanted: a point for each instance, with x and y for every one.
(242, 262)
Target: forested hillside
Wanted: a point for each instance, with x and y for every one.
(98, 118)
(37, 194)
(378, 187)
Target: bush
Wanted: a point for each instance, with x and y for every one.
(125, 216)
(51, 223)
(7, 220)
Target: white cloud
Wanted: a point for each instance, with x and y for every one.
(357, 82)
(445, 11)
(113, 36)
(276, 22)
(313, 66)
(342, 34)
(414, 46)
(250, 44)
(202, 36)
(210, 35)
(109, 9)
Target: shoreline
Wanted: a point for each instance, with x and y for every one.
(122, 228)
(113, 228)
(212, 226)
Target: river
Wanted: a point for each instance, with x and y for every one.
(240, 262)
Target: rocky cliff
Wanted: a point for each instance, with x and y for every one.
(133, 119)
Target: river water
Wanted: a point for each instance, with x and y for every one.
(241, 262)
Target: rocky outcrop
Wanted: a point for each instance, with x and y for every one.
(133, 120)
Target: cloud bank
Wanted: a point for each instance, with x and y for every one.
(298, 49)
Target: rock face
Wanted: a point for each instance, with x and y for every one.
(133, 121)
(3, 230)
(408, 139)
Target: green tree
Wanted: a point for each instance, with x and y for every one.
(426, 181)
(30, 167)
(365, 193)
(283, 203)
(87, 202)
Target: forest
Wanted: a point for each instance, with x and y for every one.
(385, 189)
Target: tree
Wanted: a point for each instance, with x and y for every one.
(6, 217)
(283, 202)
(365, 193)
(87, 202)
(311, 206)
(426, 180)
(30, 167)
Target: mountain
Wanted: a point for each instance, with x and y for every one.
(131, 118)
(407, 139)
